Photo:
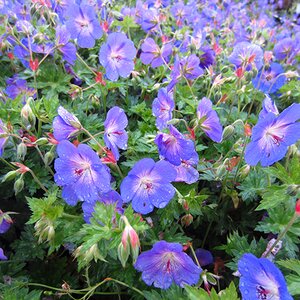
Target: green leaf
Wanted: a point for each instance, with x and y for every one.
(194, 293)
(229, 293)
(293, 280)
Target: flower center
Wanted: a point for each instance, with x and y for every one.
(83, 167)
(146, 184)
(276, 139)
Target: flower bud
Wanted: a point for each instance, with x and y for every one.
(19, 185)
(48, 158)
(187, 220)
(9, 176)
(173, 121)
(130, 236)
(228, 132)
(297, 208)
(41, 141)
(27, 114)
(293, 189)
(21, 151)
(123, 254)
(244, 171)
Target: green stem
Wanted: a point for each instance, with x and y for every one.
(87, 66)
(240, 161)
(93, 138)
(130, 287)
(38, 181)
(195, 256)
(42, 157)
(282, 234)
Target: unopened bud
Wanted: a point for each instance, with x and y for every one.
(187, 220)
(9, 176)
(297, 208)
(228, 132)
(244, 171)
(173, 121)
(21, 151)
(41, 141)
(293, 189)
(48, 158)
(27, 114)
(19, 185)
(123, 254)
(130, 236)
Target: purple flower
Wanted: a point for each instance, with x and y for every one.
(65, 125)
(2, 256)
(190, 67)
(67, 49)
(166, 263)
(207, 58)
(147, 185)
(109, 198)
(17, 86)
(174, 147)
(272, 135)
(185, 171)
(261, 279)
(2, 139)
(269, 81)
(268, 106)
(204, 257)
(244, 54)
(80, 172)
(150, 19)
(83, 25)
(180, 12)
(115, 136)
(152, 54)
(209, 120)
(5, 222)
(284, 48)
(117, 55)
(162, 108)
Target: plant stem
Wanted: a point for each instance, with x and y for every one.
(38, 181)
(195, 256)
(282, 234)
(92, 137)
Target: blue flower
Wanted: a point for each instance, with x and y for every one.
(153, 54)
(204, 257)
(284, 48)
(117, 55)
(67, 49)
(162, 108)
(65, 125)
(261, 279)
(166, 263)
(272, 135)
(268, 106)
(174, 147)
(5, 222)
(2, 256)
(147, 185)
(269, 81)
(109, 198)
(83, 25)
(186, 172)
(209, 120)
(80, 172)
(245, 54)
(115, 135)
